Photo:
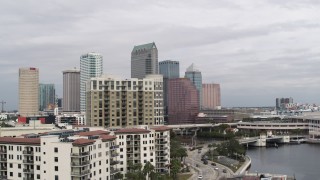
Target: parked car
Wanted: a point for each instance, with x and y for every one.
(200, 177)
(216, 168)
(205, 161)
(213, 164)
(224, 170)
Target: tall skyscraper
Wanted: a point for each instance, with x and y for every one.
(211, 96)
(169, 69)
(47, 96)
(183, 102)
(194, 74)
(28, 91)
(71, 90)
(144, 60)
(114, 102)
(282, 102)
(91, 65)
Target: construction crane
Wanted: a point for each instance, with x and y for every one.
(2, 105)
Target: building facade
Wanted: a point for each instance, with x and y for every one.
(82, 154)
(71, 90)
(281, 103)
(183, 102)
(28, 91)
(169, 69)
(211, 96)
(194, 74)
(144, 60)
(47, 96)
(91, 65)
(114, 102)
(70, 119)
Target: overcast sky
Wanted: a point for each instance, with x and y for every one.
(255, 50)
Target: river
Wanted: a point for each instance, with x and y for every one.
(302, 160)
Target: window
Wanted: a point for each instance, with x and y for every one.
(55, 149)
(38, 176)
(10, 165)
(56, 168)
(55, 159)
(11, 173)
(19, 174)
(56, 177)
(38, 167)
(19, 166)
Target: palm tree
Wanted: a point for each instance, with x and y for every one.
(147, 169)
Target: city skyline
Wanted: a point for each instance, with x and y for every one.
(256, 51)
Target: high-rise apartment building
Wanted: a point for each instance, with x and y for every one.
(91, 65)
(81, 154)
(114, 102)
(169, 69)
(71, 91)
(28, 91)
(183, 101)
(144, 60)
(194, 74)
(282, 102)
(211, 96)
(47, 96)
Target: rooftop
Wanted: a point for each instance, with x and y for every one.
(132, 131)
(92, 133)
(161, 128)
(22, 141)
(107, 137)
(145, 46)
(193, 68)
(82, 142)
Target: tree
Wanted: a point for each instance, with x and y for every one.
(175, 168)
(135, 172)
(147, 169)
(118, 176)
(182, 152)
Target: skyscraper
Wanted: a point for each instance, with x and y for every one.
(169, 69)
(144, 60)
(47, 96)
(28, 91)
(71, 90)
(211, 96)
(183, 102)
(195, 76)
(91, 65)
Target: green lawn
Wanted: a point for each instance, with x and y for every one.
(184, 176)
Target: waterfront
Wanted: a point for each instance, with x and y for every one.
(300, 160)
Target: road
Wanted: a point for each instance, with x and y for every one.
(207, 171)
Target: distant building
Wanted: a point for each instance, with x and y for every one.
(183, 101)
(282, 103)
(71, 91)
(194, 74)
(169, 69)
(70, 119)
(144, 60)
(91, 65)
(47, 94)
(116, 102)
(211, 96)
(28, 91)
(59, 102)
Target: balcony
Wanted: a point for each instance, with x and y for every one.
(161, 149)
(163, 142)
(28, 178)
(114, 154)
(162, 137)
(80, 154)
(28, 161)
(3, 151)
(81, 173)
(3, 168)
(3, 159)
(114, 163)
(29, 153)
(114, 147)
(83, 163)
(3, 177)
(163, 154)
(29, 171)
(133, 157)
(113, 170)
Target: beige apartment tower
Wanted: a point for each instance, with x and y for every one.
(114, 102)
(211, 96)
(28, 91)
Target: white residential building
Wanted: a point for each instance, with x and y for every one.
(77, 155)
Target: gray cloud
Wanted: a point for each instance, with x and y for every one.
(256, 50)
